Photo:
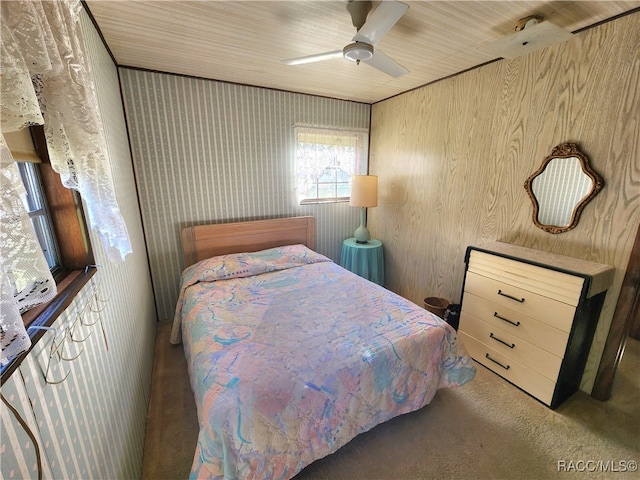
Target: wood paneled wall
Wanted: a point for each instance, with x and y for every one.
(452, 158)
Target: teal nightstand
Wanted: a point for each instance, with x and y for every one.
(364, 259)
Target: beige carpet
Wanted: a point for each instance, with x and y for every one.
(486, 429)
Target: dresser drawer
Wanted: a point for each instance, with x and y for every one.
(554, 313)
(511, 346)
(548, 338)
(548, 283)
(535, 384)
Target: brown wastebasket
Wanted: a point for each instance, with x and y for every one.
(436, 305)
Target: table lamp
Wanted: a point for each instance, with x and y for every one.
(364, 193)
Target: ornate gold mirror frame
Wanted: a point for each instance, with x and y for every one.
(561, 188)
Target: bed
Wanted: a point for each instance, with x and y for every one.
(291, 356)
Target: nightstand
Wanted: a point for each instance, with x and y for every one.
(364, 259)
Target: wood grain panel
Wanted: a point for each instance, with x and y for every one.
(68, 221)
(452, 159)
(204, 241)
(245, 41)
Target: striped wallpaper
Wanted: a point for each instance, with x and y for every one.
(556, 201)
(92, 425)
(213, 152)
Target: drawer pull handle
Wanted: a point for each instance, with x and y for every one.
(510, 345)
(515, 324)
(520, 300)
(507, 367)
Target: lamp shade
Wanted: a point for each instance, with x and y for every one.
(364, 191)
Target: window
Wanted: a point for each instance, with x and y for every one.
(38, 209)
(325, 161)
(56, 213)
(65, 214)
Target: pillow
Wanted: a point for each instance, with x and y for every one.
(238, 265)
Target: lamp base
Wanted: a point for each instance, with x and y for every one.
(362, 233)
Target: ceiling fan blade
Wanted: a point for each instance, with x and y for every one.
(386, 64)
(381, 20)
(318, 57)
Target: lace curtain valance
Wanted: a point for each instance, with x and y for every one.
(46, 80)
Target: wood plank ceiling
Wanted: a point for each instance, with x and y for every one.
(245, 41)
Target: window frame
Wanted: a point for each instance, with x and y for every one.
(360, 161)
(77, 264)
(40, 214)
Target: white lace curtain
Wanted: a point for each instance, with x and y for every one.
(46, 79)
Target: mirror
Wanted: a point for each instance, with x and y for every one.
(561, 188)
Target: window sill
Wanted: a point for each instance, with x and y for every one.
(314, 201)
(45, 315)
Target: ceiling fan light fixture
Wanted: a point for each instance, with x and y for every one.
(358, 52)
(531, 33)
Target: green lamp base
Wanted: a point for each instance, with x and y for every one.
(362, 234)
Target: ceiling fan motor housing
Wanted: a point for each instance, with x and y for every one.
(358, 52)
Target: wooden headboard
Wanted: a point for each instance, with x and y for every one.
(204, 241)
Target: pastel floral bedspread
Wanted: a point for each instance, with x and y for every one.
(291, 356)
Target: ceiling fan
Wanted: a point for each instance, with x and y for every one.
(369, 32)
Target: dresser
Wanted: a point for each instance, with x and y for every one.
(530, 316)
